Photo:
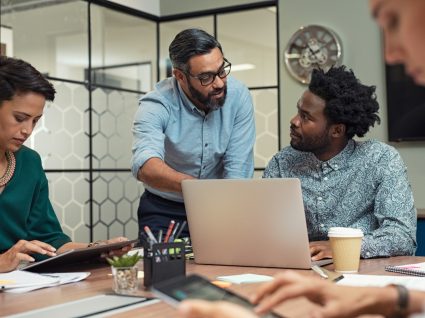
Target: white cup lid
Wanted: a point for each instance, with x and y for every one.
(344, 232)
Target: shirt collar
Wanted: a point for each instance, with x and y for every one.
(187, 102)
(341, 159)
(335, 163)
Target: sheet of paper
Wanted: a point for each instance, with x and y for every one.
(18, 278)
(411, 282)
(245, 278)
(58, 279)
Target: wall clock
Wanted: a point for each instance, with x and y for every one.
(310, 47)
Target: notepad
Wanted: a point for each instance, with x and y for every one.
(408, 269)
(358, 280)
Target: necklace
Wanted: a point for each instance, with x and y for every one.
(10, 168)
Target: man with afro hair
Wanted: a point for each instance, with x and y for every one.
(345, 182)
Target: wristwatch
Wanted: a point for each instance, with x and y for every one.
(402, 301)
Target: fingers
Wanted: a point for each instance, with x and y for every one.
(35, 247)
(317, 254)
(24, 257)
(117, 239)
(208, 309)
(320, 250)
(280, 280)
(287, 285)
(195, 309)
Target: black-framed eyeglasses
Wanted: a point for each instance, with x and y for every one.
(207, 78)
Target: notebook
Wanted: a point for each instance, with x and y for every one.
(248, 222)
(408, 269)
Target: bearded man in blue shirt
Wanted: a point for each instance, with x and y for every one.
(197, 124)
(347, 183)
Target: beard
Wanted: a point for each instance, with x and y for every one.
(316, 144)
(209, 102)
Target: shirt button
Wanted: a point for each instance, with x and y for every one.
(325, 178)
(319, 198)
(367, 254)
(322, 225)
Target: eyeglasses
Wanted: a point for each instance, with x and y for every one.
(208, 78)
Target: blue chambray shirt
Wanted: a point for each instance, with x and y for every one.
(365, 186)
(218, 145)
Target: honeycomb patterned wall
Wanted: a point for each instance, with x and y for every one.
(62, 139)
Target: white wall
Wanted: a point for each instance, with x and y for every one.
(362, 45)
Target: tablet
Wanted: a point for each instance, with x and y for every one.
(74, 256)
(194, 286)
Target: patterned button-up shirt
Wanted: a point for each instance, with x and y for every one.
(365, 186)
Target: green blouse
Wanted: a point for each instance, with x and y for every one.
(25, 209)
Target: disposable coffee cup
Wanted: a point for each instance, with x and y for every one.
(345, 244)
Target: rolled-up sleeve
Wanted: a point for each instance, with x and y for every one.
(148, 132)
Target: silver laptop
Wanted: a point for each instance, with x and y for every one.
(248, 222)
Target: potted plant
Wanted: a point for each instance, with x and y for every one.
(124, 272)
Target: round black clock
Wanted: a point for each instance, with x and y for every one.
(310, 47)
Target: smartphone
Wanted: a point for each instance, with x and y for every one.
(194, 286)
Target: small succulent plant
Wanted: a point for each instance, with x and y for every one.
(124, 260)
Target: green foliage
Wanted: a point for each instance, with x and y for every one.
(124, 260)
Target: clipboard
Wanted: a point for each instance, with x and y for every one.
(52, 264)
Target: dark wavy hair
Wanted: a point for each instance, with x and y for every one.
(348, 101)
(20, 77)
(188, 43)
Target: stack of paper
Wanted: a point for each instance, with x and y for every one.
(22, 281)
(245, 278)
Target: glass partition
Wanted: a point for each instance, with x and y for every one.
(51, 35)
(123, 50)
(249, 42)
(168, 31)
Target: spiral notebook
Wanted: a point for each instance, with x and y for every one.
(408, 269)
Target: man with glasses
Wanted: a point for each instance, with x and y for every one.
(199, 124)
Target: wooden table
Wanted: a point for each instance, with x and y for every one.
(100, 282)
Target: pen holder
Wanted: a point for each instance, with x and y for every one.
(163, 261)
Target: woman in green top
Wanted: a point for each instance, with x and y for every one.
(28, 222)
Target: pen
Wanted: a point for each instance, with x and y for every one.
(150, 235)
(144, 236)
(160, 236)
(170, 228)
(180, 230)
(319, 271)
(173, 234)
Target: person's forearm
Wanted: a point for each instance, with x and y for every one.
(380, 244)
(384, 301)
(70, 246)
(157, 174)
(416, 302)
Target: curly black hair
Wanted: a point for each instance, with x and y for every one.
(348, 101)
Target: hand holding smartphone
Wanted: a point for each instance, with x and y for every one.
(175, 290)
